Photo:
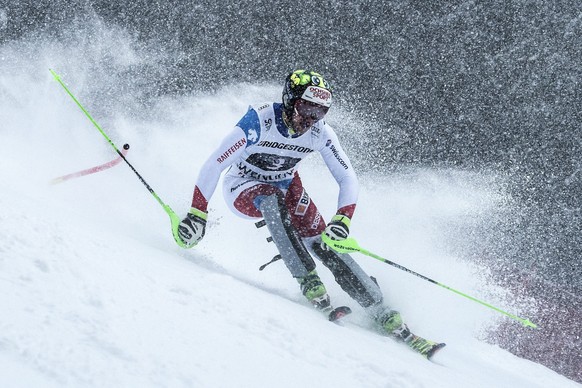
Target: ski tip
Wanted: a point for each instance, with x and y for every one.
(339, 312)
(435, 349)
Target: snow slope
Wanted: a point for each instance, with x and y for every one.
(95, 293)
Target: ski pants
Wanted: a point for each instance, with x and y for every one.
(296, 224)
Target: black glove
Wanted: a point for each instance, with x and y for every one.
(338, 229)
(192, 228)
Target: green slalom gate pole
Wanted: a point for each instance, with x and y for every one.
(350, 245)
(174, 219)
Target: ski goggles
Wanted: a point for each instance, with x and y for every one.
(310, 110)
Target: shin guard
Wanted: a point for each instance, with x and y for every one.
(350, 276)
(285, 237)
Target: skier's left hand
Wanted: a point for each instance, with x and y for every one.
(338, 229)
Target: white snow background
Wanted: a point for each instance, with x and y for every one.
(95, 292)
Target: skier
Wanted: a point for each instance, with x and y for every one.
(262, 153)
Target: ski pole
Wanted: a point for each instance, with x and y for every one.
(174, 219)
(350, 245)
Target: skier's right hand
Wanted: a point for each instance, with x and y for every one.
(192, 228)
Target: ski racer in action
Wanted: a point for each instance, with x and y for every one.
(262, 153)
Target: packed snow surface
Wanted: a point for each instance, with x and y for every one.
(95, 293)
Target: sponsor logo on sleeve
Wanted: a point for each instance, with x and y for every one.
(335, 153)
(231, 150)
